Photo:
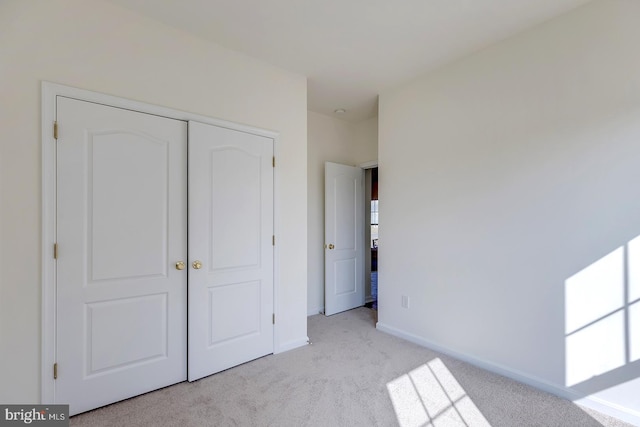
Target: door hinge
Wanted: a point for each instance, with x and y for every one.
(273, 161)
(55, 371)
(273, 318)
(55, 251)
(55, 130)
(273, 240)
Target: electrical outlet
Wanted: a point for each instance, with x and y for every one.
(405, 301)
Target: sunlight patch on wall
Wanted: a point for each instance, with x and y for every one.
(602, 315)
(430, 396)
(633, 254)
(633, 263)
(634, 331)
(595, 350)
(595, 291)
(593, 324)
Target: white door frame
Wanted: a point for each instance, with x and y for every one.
(48, 317)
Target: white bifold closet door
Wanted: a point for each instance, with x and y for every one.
(142, 281)
(230, 241)
(122, 224)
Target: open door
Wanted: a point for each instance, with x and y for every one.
(344, 238)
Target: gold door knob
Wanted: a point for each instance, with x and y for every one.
(197, 265)
(331, 246)
(180, 265)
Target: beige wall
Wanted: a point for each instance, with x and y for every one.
(97, 46)
(504, 175)
(338, 141)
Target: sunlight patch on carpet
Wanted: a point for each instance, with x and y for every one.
(429, 396)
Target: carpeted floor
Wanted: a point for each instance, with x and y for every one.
(352, 375)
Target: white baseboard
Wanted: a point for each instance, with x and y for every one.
(291, 345)
(608, 408)
(597, 404)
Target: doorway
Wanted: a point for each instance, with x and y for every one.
(351, 272)
(371, 231)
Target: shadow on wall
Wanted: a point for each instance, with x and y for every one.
(602, 355)
(602, 321)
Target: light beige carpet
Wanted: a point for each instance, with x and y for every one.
(352, 375)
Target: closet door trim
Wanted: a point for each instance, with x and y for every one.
(50, 91)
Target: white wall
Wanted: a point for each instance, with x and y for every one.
(97, 46)
(504, 174)
(365, 147)
(338, 141)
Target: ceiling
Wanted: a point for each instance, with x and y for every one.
(351, 50)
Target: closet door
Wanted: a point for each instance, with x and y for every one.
(230, 248)
(122, 227)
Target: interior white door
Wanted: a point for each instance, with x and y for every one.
(230, 248)
(344, 238)
(122, 226)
